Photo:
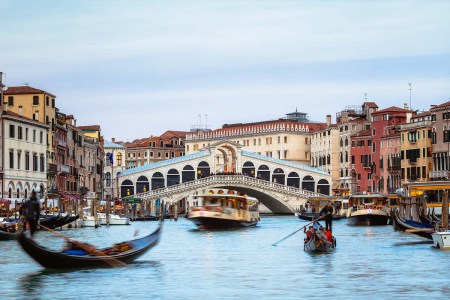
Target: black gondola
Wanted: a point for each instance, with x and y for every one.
(102, 258)
(5, 235)
(418, 228)
(49, 221)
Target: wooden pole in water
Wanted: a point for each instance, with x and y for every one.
(445, 209)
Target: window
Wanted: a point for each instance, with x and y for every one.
(35, 100)
(12, 131)
(42, 163)
(11, 159)
(285, 140)
(46, 101)
(119, 159)
(27, 161)
(19, 154)
(108, 179)
(19, 132)
(35, 162)
(151, 153)
(41, 137)
(11, 100)
(53, 102)
(26, 134)
(159, 154)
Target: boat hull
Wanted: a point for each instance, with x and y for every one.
(368, 218)
(441, 240)
(218, 223)
(311, 216)
(318, 245)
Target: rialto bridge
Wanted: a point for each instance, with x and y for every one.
(282, 186)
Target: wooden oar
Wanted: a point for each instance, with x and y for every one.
(110, 260)
(274, 244)
(420, 230)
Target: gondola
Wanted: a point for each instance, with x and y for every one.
(418, 228)
(60, 221)
(6, 236)
(316, 244)
(49, 221)
(100, 258)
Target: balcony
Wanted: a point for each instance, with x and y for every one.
(439, 174)
(64, 169)
(394, 169)
(415, 125)
(52, 168)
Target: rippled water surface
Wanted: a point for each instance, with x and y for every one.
(369, 262)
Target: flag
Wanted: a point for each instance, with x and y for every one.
(111, 160)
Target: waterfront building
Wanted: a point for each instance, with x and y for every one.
(40, 106)
(23, 156)
(155, 148)
(350, 121)
(381, 120)
(114, 165)
(440, 117)
(417, 148)
(361, 153)
(390, 160)
(287, 138)
(93, 160)
(325, 151)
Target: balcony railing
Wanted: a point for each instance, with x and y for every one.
(64, 169)
(439, 174)
(421, 124)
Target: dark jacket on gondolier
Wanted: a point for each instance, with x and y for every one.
(327, 213)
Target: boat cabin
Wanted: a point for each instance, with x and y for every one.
(315, 204)
(368, 201)
(227, 201)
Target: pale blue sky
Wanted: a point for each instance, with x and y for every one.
(138, 68)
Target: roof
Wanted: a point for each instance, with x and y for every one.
(24, 90)
(16, 115)
(362, 133)
(371, 104)
(108, 144)
(394, 109)
(90, 127)
(443, 105)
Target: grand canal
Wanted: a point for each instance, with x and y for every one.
(369, 262)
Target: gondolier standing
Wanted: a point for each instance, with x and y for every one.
(327, 213)
(31, 211)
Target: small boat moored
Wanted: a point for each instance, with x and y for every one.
(441, 239)
(221, 211)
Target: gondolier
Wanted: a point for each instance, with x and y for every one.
(327, 213)
(31, 211)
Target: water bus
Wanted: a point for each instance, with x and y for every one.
(368, 210)
(220, 211)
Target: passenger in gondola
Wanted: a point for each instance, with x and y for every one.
(309, 233)
(328, 235)
(321, 233)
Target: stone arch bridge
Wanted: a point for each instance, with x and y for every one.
(282, 186)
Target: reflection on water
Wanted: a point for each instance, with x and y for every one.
(370, 263)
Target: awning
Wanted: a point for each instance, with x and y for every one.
(7, 201)
(70, 196)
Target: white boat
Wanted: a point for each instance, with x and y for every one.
(218, 211)
(368, 210)
(441, 239)
(89, 221)
(113, 219)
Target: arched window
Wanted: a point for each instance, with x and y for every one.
(203, 170)
(142, 184)
(341, 143)
(263, 172)
(346, 141)
(157, 181)
(278, 176)
(293, 179)
(248, 169)
(173, 177)
(188, 173)
(323, 187)
(126, 189)
(119, 159)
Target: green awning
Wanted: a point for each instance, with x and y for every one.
(132, 200)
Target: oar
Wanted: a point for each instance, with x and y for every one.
(274, 244)
(110, 260)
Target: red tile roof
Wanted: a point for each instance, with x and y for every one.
(393, 109)
(443, 105)
(24, 90)
(90, 127)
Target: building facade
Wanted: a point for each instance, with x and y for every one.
(114, 165)
(440, 120)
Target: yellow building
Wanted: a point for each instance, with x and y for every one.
(34, 104)
(416, 149)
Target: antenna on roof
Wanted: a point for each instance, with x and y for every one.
(365, 96)
(410, 95)
(26, 83)
(206, 120)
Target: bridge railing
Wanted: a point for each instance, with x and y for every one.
(224, 179)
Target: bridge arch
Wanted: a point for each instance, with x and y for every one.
(323, 187)
(308, 183)
(264, 172)
(126, 188)
(173, 177)
(293, 179)
(157, 181)
(203, 170)
(188, 173)
(142, 184)
(248, 169)
(278, 176)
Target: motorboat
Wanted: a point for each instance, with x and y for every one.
(368, 210)
(113, 219)
(221, 211)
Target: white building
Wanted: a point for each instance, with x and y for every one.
(24, 156)
(112, 171)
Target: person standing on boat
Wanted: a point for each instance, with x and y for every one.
(327, 213)
(31, 211)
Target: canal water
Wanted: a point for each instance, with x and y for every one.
(369, 263)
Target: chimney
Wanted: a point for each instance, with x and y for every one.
(328, 120)
(113, 140)
(405, 106)
(20, 110)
